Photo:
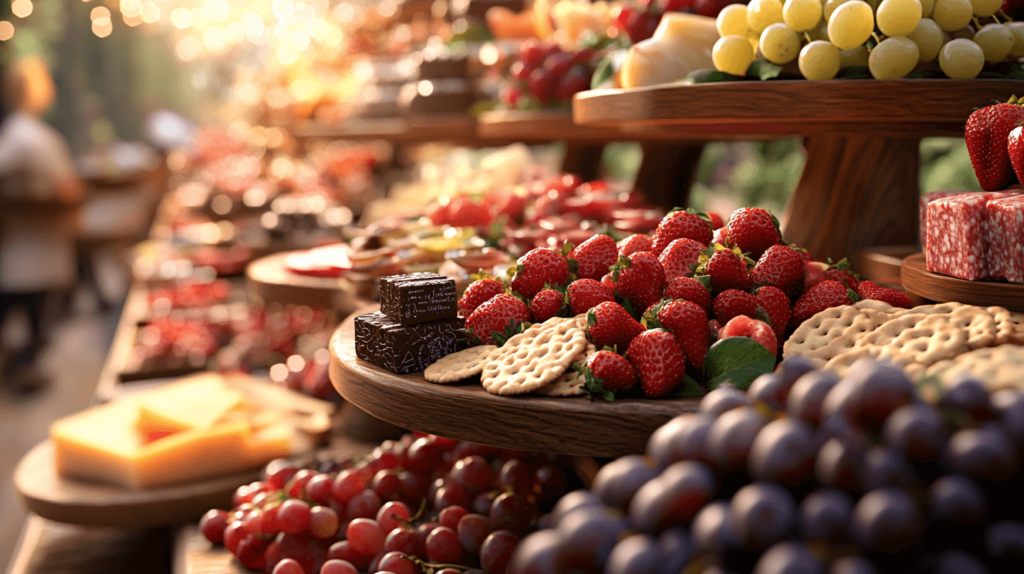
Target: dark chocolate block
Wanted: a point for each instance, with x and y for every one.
(418, 298)
(401, 350)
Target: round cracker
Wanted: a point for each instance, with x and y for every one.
(533, 359)
(459, 365)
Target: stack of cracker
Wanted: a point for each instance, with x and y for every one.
(542, 359)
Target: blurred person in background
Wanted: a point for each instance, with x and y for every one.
(38, 185)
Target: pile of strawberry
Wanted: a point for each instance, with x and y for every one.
(656, 304)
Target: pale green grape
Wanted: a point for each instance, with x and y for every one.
(996, 41)
(819, 32)
(985, 8)
(1017, 29)
(952, 15)
(732, 20)
(855, 57)
(961, 59)
(851, 25)
(898, 17)
(763, 13)
(893, 58)
(732, 55)
(927, 7)
(779, 44)
(967, 33)
(830, 7)
(801, 15)
(754, 40)
(929, 39)
(819, 60)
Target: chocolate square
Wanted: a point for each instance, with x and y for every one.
(401, 350)
(418, 298)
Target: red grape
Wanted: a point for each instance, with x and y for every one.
(250, 552)
(575, 80)
(452, 494)
(347, 484)
(483, 501)
(343, 551)
(496, 551)
(392, 515)
(297, 486)
(280, 477)
(443, 546)
(363, 505)
(405, 541)
(212, 525)
(472, 530)
(557, 65)
(323, 522)
(550, 478)
(366, 536)
(423, 455)
(233, 534)
(397, 563)
(337, 567)
(271, 556)
(293, 516)
(288, 566)
(426, 528)
(386, 484)
(542, 86)
(516, 476)
(675, 5)
(473, 472)
(270, 526)
(414, 487)
(297, 547)
(511, 512)
(245, 493)
(450, 516)
(520, 71)
(531, 54)
(318, 489)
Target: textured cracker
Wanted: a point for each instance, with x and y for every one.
(459, 365)
(571, 383)
(997, 367)
(832, 332)
(873, 305)
(534, 358)
(1006, 327)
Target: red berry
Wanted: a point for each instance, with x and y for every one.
(822, 296)
(607, 372)
(609, 325)
(545, 305)
(986, 134)
(639, 279)
(754, 230)
(659, 361)
(680, 258)
(681, 224)
(688, 322)
(783, 267)
(557, 65)
(871, 290)
(501, 314)
(585, 294)
(542, 87)
(576, 80)
(732, 303)
(594, 256)
(635, 243)
(776, 304)
(689, 289)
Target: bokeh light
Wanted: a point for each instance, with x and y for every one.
(150, 13)
(6, 30)
(181, 18)
(21, 8)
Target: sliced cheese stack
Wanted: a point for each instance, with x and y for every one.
(200, 427)
(681, 44)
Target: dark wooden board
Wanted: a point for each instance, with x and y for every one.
(574, 426)
(882, 264)
(934, 287)
(268, 278)
(775, 109)
(193, 554)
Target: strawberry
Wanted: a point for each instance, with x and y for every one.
(754, 230)
(608, 281)
(1015, 149)
(679, 223)
(545, 305)
(687, 321)
(987, 133)
(783, 267)
(716, 220)
(607, 372)
(776, 305)
(537, 268)
(497, 319)
(841, 272)
(634, 243)
(722, 237)
(689, 289)
(594, 256)
(873, 291)
(639, 279)
(658, 359)
(726, 268)
(820, 297)
(609, 325)
(680, 258)
(478, 293)
(464, 212)
(815, 273)
(585, 294)
(733, 302)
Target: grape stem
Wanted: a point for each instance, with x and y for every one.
(431, 568)
(807, 37)
(1004, 15)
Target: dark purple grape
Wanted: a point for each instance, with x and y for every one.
(731, 436)
(617, 481)
(676, 548)
(837, 463)
(958, 562)
(868, 393)
(807, 395)
(589, 534)
(761, 514)
(512, 512)
(852, 565)
(968, 394)
(793, 368)
(984, 452)
(881, 466)
(825, 514)
(1009, 406)
(788, 558)
(918, 431)
(636, 553)
(783, 452)
(1004, 540)
(722, 399)
(956, 499)
(673, 498)
(538, 553)
(771, 390)
(572, 501)
(682, 438)
(886, 519)
(711, 531)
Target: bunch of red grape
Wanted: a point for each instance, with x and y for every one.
(545, 75)
(419, 504)
(806, 473)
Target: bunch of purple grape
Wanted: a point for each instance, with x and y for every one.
(806, 473)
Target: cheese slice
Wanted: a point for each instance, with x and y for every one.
(195, 402)
(681, 44)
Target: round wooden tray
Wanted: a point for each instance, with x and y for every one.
(268, 278)
(918, 280)
(546, 126)
(54, 497)
(773, 109)
(575, 426)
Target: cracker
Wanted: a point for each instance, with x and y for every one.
(841, 363)
(929, 341)
(873, 305)
(571, 383)
(832, 332)
(534, 358)
(997, 367)
(1006, 327)
(459, 365)
(936, 309)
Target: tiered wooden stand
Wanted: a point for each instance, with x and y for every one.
(934, 287)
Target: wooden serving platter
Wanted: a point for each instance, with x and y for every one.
(465, 411)
(271, 281)
(934, 287)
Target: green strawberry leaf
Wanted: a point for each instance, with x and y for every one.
(688, 389)
(591, 318)
(605, 70)
(762, 315)
(707, 75)
(628, 307)
(852, 295)
(737, 360)
(471, 339)
(704, 280)
(593, 385)
(574, 266)
(763, 70)
(567, 248)
(511, 271)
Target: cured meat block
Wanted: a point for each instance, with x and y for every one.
(1006, 238)
(923, 206)
(956, 238)
(418, 298)
(401, 350)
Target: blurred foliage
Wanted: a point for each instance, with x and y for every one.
(621, 161)
(762, 174)
(946, 165)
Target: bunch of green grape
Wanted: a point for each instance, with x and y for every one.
(891, 37)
